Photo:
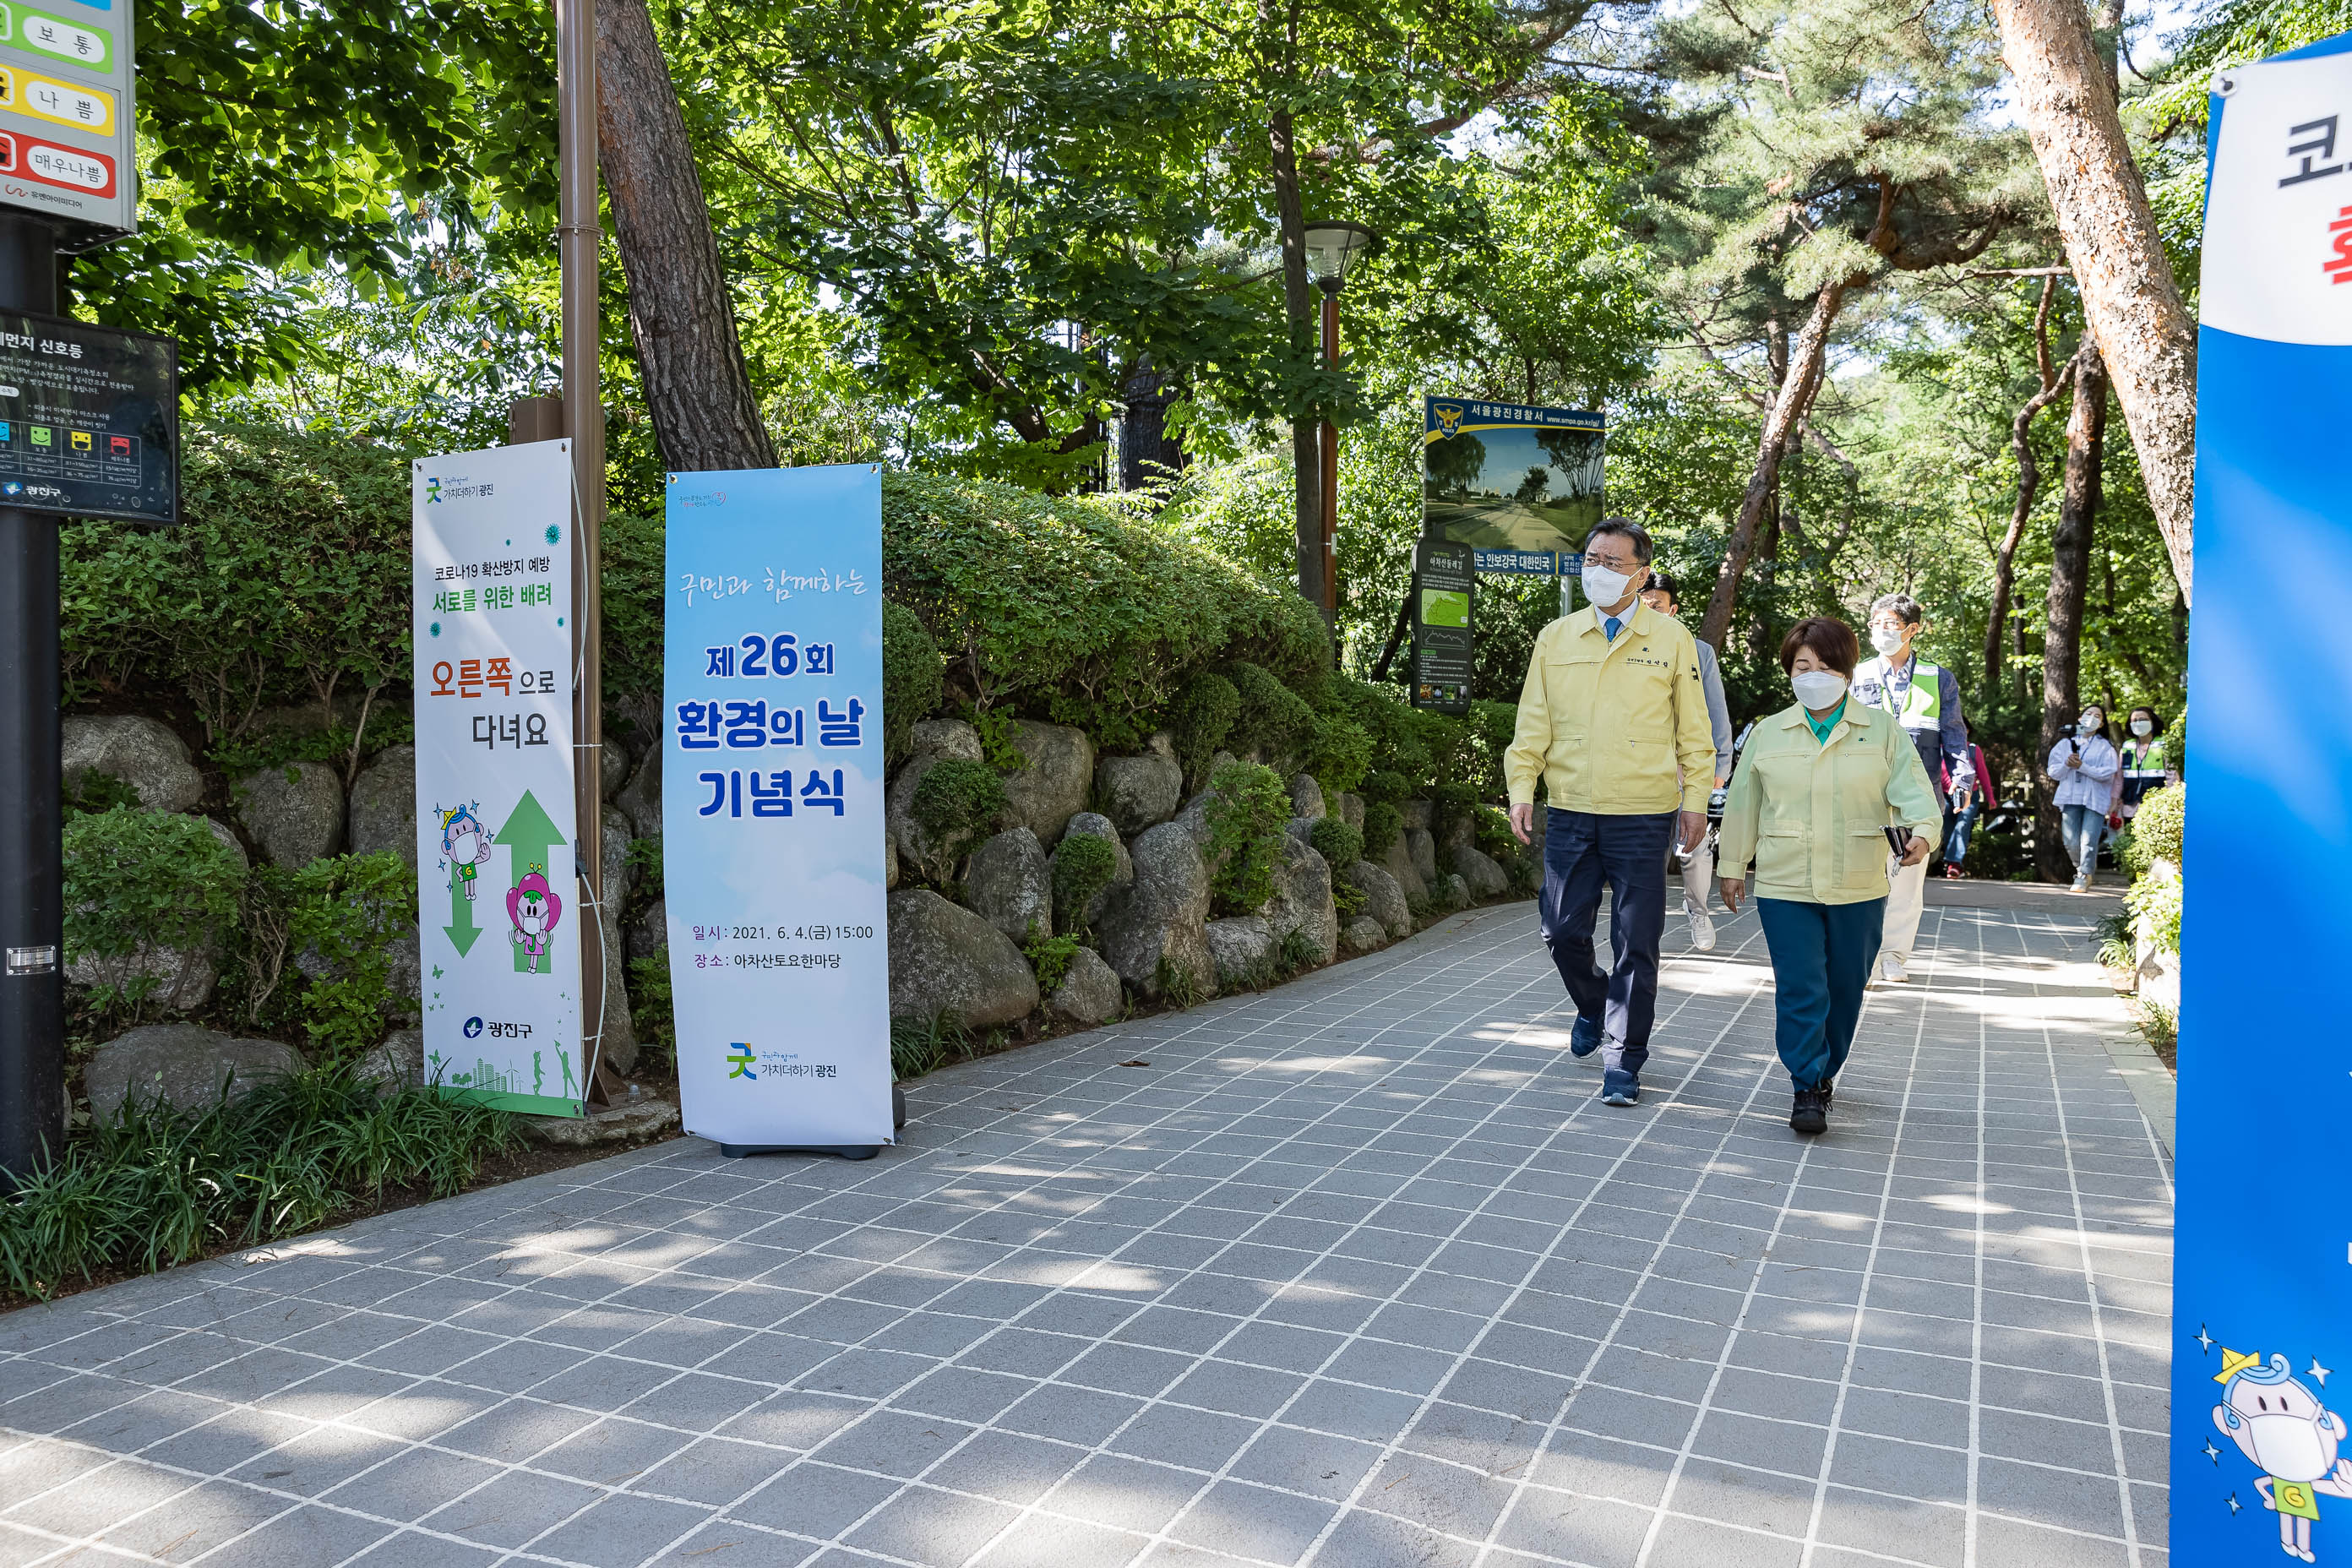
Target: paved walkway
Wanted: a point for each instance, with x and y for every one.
(1354, 1273)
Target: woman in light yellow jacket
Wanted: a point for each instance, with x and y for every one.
(1821, 791)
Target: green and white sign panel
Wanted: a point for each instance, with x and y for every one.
(69, 137)
(497, 896)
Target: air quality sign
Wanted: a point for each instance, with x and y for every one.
(89, 420)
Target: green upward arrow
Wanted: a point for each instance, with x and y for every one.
(461, 931)
(528, 835)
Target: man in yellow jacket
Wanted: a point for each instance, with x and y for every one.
(1612, 717)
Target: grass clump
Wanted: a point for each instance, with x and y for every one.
(152, 1187)
(918, 1045)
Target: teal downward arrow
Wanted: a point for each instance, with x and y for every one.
(461, 931)
(528, 835)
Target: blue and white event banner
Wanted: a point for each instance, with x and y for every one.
(497, 894)
(771, 807)
(2262, 1268)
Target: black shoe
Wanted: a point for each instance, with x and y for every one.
(1828, 1091)
(1809, 1112)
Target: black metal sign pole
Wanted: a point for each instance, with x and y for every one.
(32, 871)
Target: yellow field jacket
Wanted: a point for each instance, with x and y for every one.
(1814, 813)
(1617, 729)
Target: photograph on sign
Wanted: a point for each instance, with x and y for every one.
(1519, 484)
(89, 420)
(772, 858)
(501, 914)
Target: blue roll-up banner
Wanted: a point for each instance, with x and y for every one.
(771, 807)
(2262, 1260)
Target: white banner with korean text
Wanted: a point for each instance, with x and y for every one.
(497, 896)
(771, 807)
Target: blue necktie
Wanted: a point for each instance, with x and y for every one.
(1611, 626)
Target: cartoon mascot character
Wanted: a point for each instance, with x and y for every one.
(2291, 1437)
(464, 844)
(534, 908)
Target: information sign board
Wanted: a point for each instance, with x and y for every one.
(69, 136)
(1519, 484)
(89, 420)
(1446, 588)
(771, 807)
(500, 897)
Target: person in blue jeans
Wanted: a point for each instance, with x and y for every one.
(1822, 788)
(2084, 765)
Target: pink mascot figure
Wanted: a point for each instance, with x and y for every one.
(533, 907)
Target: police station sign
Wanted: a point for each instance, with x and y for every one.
(498, 895)
(771, 807)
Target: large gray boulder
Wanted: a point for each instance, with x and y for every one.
(182, 1065)
(1475, 868)
(1384, 899)
(620, 875)
(1417, 813)
(932, 742)
(397, 1061)
(1093, 825)
(1423, 847)
(1090, 993)
(1242, 948)
(945, 959)
(1043, 796)
(1363, 934)
(1349, 809)
(889, 858)
(1302, 902)
(383, 806)
(1137, 793)
(142, 753)
(620, 1040)
(1010, 885)
(1397, 861)
(1156, 923)
(1307, 797)
(612, 766)
(294, 812)
(641, 797)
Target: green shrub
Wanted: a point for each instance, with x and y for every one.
(1273, 722)
(1382, 823)
(1385, 787)
(2155, 901)
(1083, 866)
(911, 687)
(334, 921)
(155, 1187)
(1201, 716)
(2156, 828)
(994, 726)
(138, 885)
(1065, 609)
(1450, 805)
(1339, 753)
(959, 803)
(1490, 728)
(652, 1013)
(90, 792)
(287, 581)
(1337, 843)
(1050, 957)
(1245, 823)
(1347, 899)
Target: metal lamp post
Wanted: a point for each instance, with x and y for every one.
(1330, 248)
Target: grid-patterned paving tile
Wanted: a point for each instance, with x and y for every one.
(1353, 1273)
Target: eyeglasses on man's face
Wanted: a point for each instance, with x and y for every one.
(1624, 563)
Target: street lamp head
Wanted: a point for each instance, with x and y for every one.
(1331, 247)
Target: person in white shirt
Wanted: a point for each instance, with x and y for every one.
(2084, 766)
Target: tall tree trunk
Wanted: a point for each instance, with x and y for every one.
(2069, 569)
(2028, 483)
(705, 414)
(2133, 304)
(1781, 421)
(1299, 316)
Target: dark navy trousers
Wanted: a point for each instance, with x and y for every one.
(1821, 957)
(1581, 849)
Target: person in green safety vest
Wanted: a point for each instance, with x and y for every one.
(2148, 762)
(1925, 700)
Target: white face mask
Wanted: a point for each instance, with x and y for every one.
(1818, 689)
(2143, 729)
(2092, 723)
(1886, 641)
(1605, 588)
(2289, 1446)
